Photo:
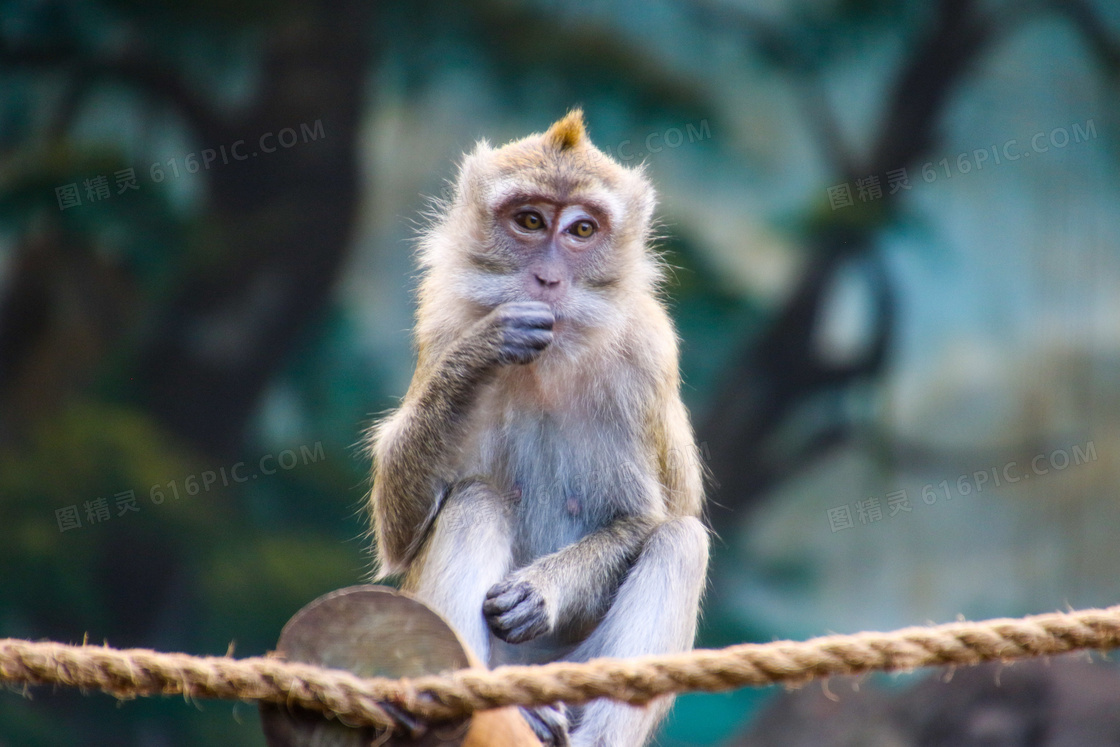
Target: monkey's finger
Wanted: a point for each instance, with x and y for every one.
(538, 338)
(499, 588)
(526, 306)
(530, 326)
(528, 314)
(507, 618)
(526, 631)
(539, 320)
(524, 621)
(525, 612)
(506, 585)
(504, 601)
(525, 348)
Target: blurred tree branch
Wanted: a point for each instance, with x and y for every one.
(781, 372)
(282, 225)
(139, 68)
(274, 229)
(1088, 23)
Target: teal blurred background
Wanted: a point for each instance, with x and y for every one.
(894, 227)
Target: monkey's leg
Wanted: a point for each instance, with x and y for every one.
(467, 551)
(654, 612)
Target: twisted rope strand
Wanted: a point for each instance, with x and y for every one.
(354, 700)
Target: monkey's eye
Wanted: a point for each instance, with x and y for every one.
(529, 219)
(583, 228)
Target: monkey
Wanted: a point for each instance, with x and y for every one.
(539, 484)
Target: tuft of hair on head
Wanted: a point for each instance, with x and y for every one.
(567, 132)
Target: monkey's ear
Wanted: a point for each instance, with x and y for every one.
(472, 170)
(567, 132)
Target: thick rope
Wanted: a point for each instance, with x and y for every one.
(136, 672)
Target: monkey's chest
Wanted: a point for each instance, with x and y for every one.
(563, 479)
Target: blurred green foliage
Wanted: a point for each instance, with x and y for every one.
(102, 305)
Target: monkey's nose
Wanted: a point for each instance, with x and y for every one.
(547, 282)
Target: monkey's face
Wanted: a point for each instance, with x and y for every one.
(548, 218)
(554, 244)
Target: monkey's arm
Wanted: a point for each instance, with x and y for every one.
(572, 587)
(414, 449)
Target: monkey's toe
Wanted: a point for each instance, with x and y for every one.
(549, 723)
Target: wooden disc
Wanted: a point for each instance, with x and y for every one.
(377, 631)
(372, 631)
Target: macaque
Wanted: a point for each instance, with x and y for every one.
(540, 485)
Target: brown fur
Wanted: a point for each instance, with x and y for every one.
(559, 494)
(567, 132)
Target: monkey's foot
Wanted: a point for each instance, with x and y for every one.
(549, 723)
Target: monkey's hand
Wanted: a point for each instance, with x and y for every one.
(519, 609)
(523, 329)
